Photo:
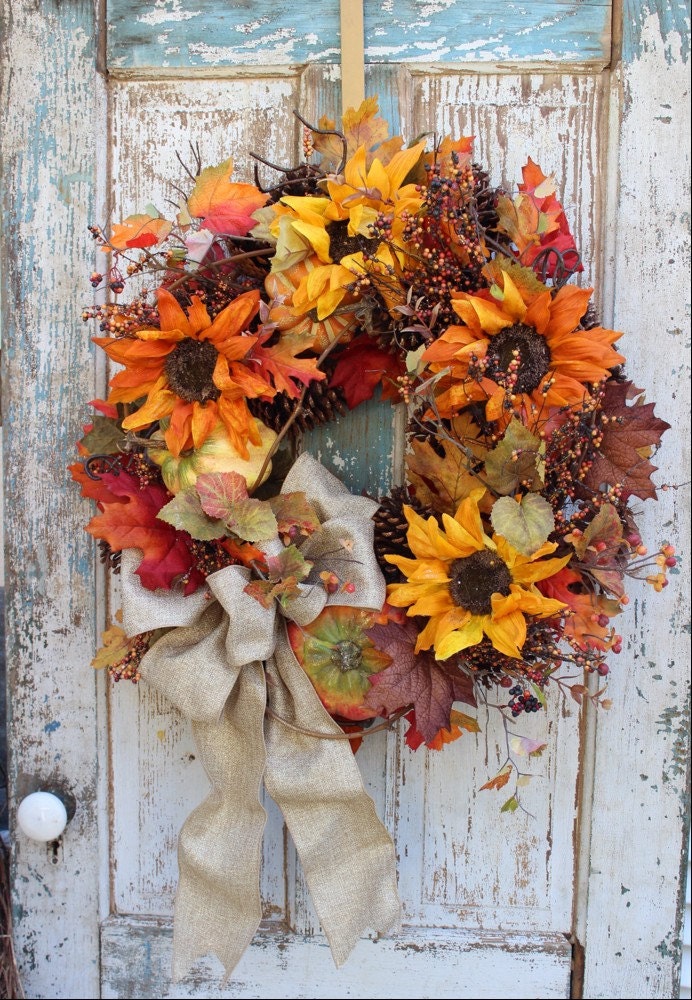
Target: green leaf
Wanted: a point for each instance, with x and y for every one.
(511, 805)
(106, 436)
(514, 462)
(526, 525)
(185, 513)
(253, 521)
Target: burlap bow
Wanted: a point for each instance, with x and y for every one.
(217, 666)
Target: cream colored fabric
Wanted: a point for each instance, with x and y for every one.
(216, 666)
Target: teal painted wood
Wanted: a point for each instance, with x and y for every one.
(50, 94)
(226, 33)
(674, 25)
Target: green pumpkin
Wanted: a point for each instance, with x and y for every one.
(217, 454)
(339, 658)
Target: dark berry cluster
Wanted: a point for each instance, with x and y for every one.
(522, 700)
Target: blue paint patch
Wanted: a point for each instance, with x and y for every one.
(269, 34)
(674, 23)
(50, 727)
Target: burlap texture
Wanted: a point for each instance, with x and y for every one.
(213, 666)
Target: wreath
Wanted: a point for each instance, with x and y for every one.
(289, 618)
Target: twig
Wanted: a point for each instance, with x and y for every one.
(387, 724)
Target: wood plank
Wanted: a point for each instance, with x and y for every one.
(182, 34)
(136, 956)
(51, 106)
(640, 822)
(157, 779)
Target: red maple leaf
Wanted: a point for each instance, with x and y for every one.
(128, 521)
(362, 365)
(630, 435)
(416, 679)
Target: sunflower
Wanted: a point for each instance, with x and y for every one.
(469, 585)
(522, 344)
(338, 230)
(190, 371)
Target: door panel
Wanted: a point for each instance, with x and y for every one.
(464, 868)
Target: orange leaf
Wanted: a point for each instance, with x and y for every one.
(223, 206)
(362, 127)
(138, 231)
(500, 779)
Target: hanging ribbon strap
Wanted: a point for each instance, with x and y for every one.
(217, 666)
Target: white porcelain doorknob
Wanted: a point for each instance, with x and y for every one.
(42, 816)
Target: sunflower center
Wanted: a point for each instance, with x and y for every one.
(521, 351)
(341, 244)
(190, 369)
(476, 578)
(347, 655)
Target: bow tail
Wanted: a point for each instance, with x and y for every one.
(218, 907)
(346, 853)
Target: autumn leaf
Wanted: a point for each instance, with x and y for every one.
(415, 679)
(362, 365)
(606, 528)
(266, 592)
(290, 562)
(287, 372)
(104, 437)
(362, 127)
(500, 779)
(631, 431)
(588, 623)
(185, 512)
(329, 146)
(138, 231)
(115, 645)
(526, 524)
(224, 206)
(94, 489)
(220, 491)
(294, 515)
(516, 461)
(443, 482)
(133, 522)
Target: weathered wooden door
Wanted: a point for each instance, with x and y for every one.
(581, 895)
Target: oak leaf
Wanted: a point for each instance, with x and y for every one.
(443, 482)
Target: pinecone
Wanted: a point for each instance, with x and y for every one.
(486, 199)
(321, 404)
(108, 557)
(391, 527)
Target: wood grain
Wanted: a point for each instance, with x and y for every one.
(48, 194)
(184, 34)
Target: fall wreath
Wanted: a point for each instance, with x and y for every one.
(262, 310)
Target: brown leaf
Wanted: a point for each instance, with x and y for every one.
(500, 779)
(443, 482)
(416, 679)
(629, 429)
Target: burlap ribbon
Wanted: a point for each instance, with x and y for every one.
(221, 664)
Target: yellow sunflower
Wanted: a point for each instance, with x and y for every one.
(337, 230)
(521, 344)
(469, 585)
(190, 370)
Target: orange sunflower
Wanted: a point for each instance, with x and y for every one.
(190, 371)
(520, 342)
(469, 585)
